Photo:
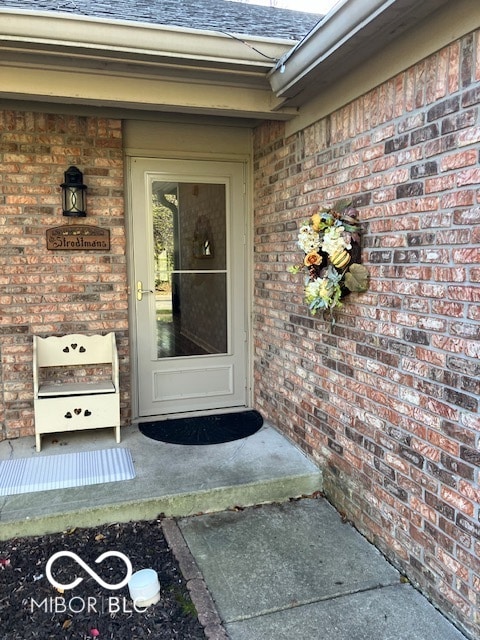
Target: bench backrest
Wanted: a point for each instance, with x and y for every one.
(75, 349)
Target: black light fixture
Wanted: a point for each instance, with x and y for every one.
(73, 193)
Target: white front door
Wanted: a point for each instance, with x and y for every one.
(188, 229)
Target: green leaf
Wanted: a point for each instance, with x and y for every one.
(356, 278)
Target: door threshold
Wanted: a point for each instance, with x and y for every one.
(192, 414)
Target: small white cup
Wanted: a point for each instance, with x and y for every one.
(144, 588)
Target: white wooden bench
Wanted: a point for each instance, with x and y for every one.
(64, 397)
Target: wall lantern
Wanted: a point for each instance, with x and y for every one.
(73, 193)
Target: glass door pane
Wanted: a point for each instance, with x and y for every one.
(190, 266)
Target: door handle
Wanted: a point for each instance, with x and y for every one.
(141, 290)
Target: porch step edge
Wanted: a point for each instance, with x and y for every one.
(175, 505)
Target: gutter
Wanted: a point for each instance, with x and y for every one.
(350, 33)
(67, 35)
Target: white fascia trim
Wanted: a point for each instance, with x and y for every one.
(347, 28)
(339, 25)
(125, 39)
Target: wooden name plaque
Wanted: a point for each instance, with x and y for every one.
(78, 238)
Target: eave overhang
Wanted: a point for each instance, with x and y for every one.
(353, 32)
(60, 58)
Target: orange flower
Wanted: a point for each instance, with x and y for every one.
(312, 258)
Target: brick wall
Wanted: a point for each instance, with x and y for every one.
(56, 292)
(386, 399)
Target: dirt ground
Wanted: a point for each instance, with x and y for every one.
(31, 607)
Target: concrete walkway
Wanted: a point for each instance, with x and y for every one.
(295, 570)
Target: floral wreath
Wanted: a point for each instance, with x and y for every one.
(330, 240)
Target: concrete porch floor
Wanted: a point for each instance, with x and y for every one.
(174, 480)
(288, 569)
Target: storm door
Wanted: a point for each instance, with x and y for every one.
(188, 229)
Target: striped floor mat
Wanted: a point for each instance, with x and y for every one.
(42, 473)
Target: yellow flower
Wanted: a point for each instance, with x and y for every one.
(316, 222)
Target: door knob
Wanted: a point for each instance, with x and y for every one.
(141, 290)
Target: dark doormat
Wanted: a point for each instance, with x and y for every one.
(213, 429)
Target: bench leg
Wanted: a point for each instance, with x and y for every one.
(117, 434)
(38, 442)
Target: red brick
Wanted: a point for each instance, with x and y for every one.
(469, 136)
(444, 444)
(457, 199)
(458, 160)
(430, 452)
(460, 503)
(464, 256)
(442, 183)
(469, 491)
